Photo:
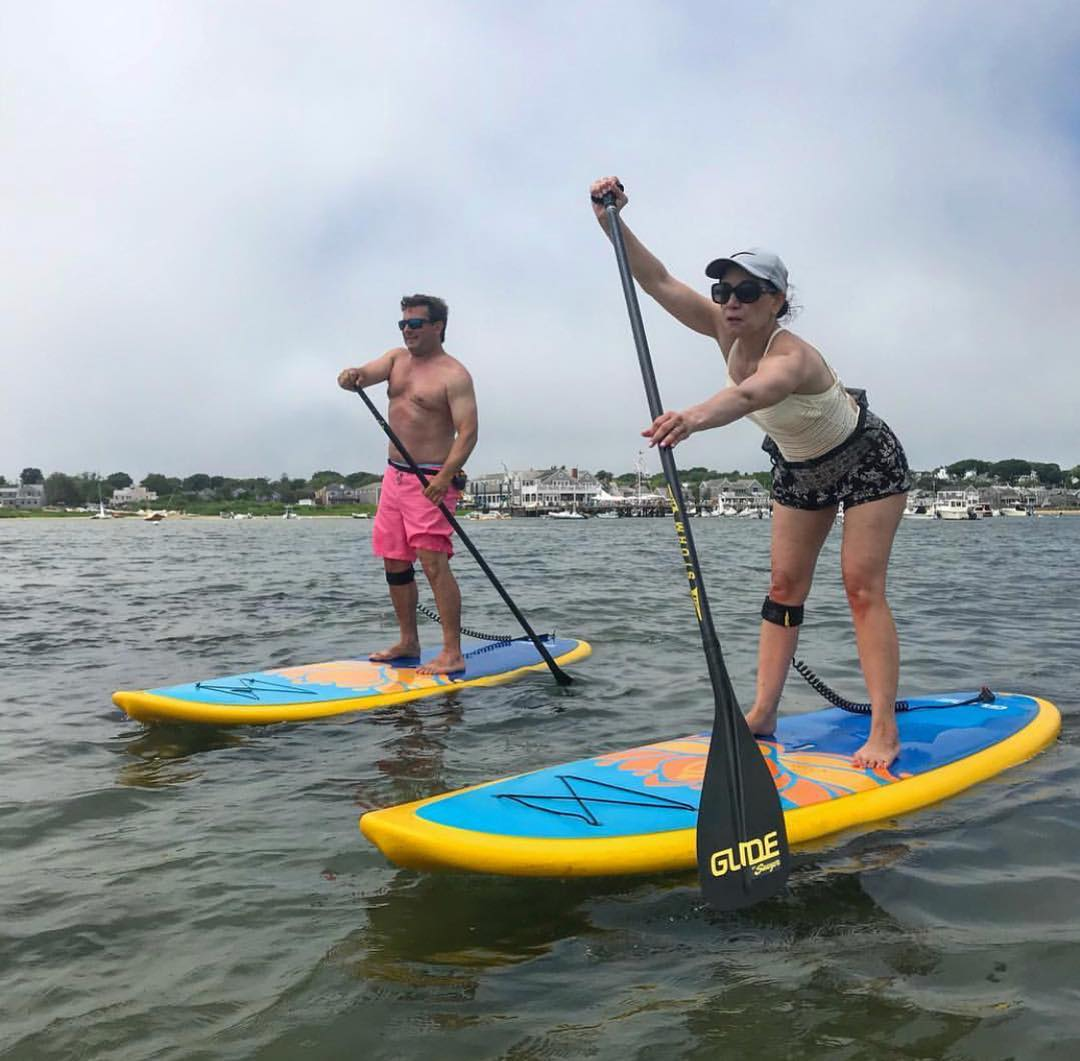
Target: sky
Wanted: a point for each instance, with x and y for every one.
(207, 210)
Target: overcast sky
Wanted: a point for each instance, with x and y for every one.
(208, 209)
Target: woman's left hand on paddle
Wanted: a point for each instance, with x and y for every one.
(668, 429)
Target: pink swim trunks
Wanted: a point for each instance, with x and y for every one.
(406, 520)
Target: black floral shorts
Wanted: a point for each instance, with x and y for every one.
(868, 465)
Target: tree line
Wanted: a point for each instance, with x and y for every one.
(1003, 472)
(87, 488)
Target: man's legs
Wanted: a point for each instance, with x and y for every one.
(402, 583)
(448, 602)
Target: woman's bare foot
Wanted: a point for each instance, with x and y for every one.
(402, 650)
(444, 663)
(762, 722)
(878, 752)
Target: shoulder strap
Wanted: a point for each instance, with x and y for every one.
(770, 342)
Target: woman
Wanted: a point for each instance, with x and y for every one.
(827, 448)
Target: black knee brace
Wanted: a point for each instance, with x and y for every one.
(401, 578)
(782, 614)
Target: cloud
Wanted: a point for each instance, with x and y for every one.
(210, 209)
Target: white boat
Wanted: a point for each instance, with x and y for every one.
(288, 513)
(568, 513)
(1015, 510)
(361, 515)
(153, 517)
(101, 513)
(953, 505)
(919, 511)
(611, 514)
(242, 515)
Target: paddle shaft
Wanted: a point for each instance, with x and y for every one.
(560, 675)
(710, 643)
(727, 717)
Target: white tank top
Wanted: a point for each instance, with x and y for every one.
(805, 426)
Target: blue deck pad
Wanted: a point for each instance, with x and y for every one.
(353, 679)
(656, 788)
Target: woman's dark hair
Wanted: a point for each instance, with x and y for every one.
(787, 309)
(437, 309)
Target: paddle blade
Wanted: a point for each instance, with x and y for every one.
(739, 866)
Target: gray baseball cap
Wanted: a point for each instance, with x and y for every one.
(757, 262)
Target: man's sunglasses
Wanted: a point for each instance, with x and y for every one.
(413, 323)
(746, 291)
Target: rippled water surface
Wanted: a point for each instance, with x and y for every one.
(187, 893)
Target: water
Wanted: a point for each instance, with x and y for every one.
(196, 893)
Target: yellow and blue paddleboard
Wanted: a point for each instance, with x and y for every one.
(296, 694)
(635, 811)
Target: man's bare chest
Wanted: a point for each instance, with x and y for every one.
(423, 394)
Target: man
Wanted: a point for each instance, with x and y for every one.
(433, 412)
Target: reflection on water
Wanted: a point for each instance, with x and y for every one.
(495, 922)
(411, 757)
(161, 753)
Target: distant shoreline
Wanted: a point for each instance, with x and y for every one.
(23, 513)
(174, 516)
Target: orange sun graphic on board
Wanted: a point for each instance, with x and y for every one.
(669, 764)
(360, 675)
(802, 777)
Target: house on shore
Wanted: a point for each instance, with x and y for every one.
(533, 490)
(22, 495)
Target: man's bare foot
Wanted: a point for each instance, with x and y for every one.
(877, 753)
(762, 723)
(402, 650)
(444, 663)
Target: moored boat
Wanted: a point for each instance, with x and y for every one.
(953, 505)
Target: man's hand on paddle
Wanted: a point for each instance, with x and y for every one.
(668, 429)
(597, 191)
(377, 371)
(349, 379)
(438, 485)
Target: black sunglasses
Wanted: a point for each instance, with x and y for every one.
(746, 291)
(413, 323)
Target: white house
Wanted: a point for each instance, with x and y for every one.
(127, 495)
(554, 488)
(734, 493)
(28, 495)
(491, 491)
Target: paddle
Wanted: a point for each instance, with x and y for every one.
(560, 675)
(742, 846)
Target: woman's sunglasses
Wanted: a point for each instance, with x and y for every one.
(746, 291)
(413, 323)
